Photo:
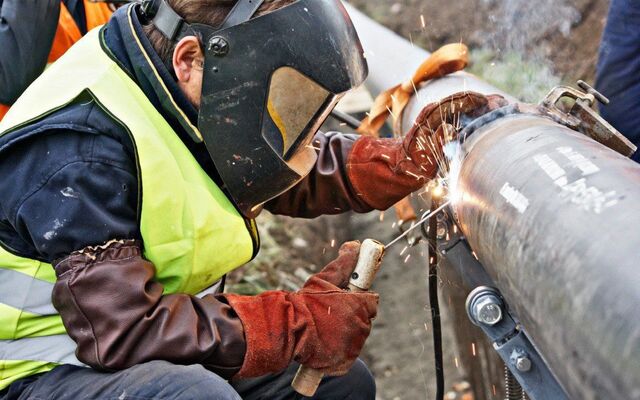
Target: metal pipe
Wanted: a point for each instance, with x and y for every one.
(554, 218)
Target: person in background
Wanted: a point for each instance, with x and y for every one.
(34, 33)
(618, 71)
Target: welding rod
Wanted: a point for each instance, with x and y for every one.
(417, 224)
(307, 380)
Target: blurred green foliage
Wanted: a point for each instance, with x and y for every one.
(266, 271)
(529, 80)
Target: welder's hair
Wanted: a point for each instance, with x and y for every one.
(209, 12)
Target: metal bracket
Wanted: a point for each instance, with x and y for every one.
(583, 118)
(488, 310)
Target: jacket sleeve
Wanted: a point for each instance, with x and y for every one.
(27, 29)
(68, 190)
(326, 190)
(117, 314)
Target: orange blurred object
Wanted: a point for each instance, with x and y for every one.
(444, 61)
(3, 111)
(68, 32)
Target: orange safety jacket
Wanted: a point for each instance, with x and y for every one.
(68, 32)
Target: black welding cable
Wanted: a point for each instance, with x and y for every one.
(435, 305)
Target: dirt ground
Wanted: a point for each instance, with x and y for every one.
(564, 33)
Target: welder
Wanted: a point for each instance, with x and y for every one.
(36, 32)
(132, 172)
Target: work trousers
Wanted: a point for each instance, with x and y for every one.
(163, 380)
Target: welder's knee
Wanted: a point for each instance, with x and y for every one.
(362, 381)
(160, 379)
(357, 384)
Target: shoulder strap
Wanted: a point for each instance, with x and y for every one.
(173, 26)
(241, 12)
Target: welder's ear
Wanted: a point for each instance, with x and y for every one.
(188, 64)
(187, 59)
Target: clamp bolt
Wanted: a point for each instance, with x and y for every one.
(523, 364)
(219, 46)
(488, 310)
(590, 90)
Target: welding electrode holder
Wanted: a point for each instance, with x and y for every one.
(307, 380)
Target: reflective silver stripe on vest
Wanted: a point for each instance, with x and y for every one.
(58, 349)
(24, 292)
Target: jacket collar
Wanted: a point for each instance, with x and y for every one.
(127, 44)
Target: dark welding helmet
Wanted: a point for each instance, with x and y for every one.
(269, 84)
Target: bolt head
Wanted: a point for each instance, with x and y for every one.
(488, 310)
(523, 364)
(219, 46)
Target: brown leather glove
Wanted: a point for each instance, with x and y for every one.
(384, 171)
(322, 326)
(457, 110)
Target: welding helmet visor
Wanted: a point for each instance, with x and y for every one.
(269, 83)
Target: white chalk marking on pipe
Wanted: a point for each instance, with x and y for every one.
(578, 160)
(514, 197)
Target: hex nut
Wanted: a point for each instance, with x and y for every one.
(488, 310)
(523, 364)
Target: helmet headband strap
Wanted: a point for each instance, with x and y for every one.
(241, 12)
(174, 27)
